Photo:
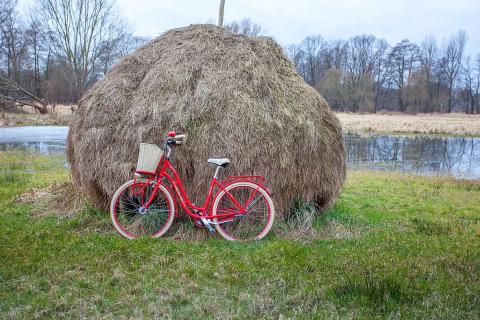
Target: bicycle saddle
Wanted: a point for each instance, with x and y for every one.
(219, 162)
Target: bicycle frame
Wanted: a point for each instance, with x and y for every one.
(167, 171)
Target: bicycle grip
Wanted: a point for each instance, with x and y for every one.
(180, 137)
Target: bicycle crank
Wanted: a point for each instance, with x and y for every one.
(207, 223)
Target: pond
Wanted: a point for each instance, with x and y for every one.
(427, 155)
(46, 139)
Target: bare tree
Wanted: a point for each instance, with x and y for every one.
(296, 54)
(402, 60)
(54, 54)
(337, 55)
(124, 44)
(380, 74)
(13, 47)
(429, 61)
(246, 27)
(313, 49)
(6, 9)
(81, 30)
(36, 42)
(471, 90)
(405, 77)
(364, 52)
(453, 58)
(221, 11)
(14, 51)
(476, 84)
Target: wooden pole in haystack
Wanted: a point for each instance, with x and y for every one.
(220, 13)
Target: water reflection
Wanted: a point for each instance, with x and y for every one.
(459, 157)
(456, 156)
(45, 140)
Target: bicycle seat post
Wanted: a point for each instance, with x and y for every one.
(217, 171)
(219, 163)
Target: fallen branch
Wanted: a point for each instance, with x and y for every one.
(8, 84)
(42, 107)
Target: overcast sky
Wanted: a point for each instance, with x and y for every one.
(290, 21)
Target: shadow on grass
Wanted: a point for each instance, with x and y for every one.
(432, 228)
(383, 293)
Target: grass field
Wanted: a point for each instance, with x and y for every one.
(436, 123)
(394, 246)
(26, 116)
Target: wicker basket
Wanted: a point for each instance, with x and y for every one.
(148, 158)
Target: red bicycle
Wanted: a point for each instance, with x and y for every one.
(240, 209)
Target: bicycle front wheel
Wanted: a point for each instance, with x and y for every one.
(255, 223)
(131, 220)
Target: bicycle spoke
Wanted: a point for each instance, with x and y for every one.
(252, 203)
(247, 225)
(136, 223)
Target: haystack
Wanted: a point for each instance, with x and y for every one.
(235, 96)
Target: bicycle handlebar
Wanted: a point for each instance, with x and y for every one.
(177, 139)
(180, 137)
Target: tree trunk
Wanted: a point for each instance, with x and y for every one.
(449, 101)
(39, 105)
(400, 100)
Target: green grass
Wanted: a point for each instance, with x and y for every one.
(414, 253)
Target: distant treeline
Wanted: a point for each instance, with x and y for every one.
(367, 74)
(56, 52)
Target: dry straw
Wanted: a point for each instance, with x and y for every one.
(235, 96)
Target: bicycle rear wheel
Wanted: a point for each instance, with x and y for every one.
(128, 217)
(253, 225)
